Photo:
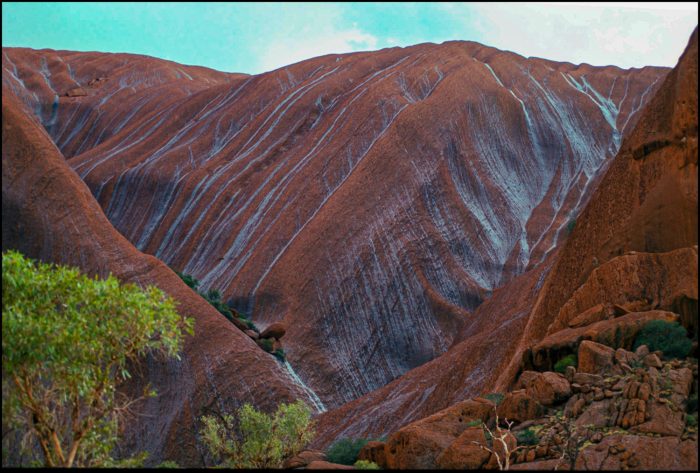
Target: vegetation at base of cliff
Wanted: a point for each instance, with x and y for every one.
(258, 440)
(67, 341)
(496, 398)
(527, 437)
(366, 465)
(213, 297)
(345, 451)
(568, 360)
(669, 337)
(570, 226)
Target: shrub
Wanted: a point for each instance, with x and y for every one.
(345, 451)
(366, 465)
(691, 420)
(212, 296)
(67, 342)
(496, 398)
(570, 226)
(279, 353)
(669, 337)
(692, 405)
(473, 423)
(266, 344)
(527, 437)
(568, 360)
(264, 442)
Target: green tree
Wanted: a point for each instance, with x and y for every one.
(67, 342)
(669, 337)
(259, 440)
(345, 451)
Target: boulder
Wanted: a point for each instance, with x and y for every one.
(519, 406)
(549, 388)
(618, 452)
(240, 324)
(417, 445)
(374, 451)
(642, 351)
(596, 414)
(275, 330)
(681, 381)
(587, 378)
(303, 459)
(463, 454)
(594, 357)
(597, 313)
(662, 420)
(652, 360)
(624, 356)
(76, 92)
(252, 334)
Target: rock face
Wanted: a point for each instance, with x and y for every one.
(648, 203)
(49, 214)
(419, 208)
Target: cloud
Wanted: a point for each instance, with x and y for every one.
(328, 40)
(595, 34)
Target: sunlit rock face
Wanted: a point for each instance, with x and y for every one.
(371, 200)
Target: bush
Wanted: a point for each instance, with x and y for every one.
(568, 360)
(496, 398)
(279, 353)
(212, 296)
(692, 405)
(345, 451)
(264, 442)
(266, 344)
(527, 437)
(669, 337)
(473, 423)
(366, 465)
(691, 420)
(570, 226)
(67, 342)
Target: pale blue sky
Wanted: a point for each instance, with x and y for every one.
(257, 37)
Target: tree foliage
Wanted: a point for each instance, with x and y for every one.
(258, 440)
(67, 342)
(345, 451)
(669, 337)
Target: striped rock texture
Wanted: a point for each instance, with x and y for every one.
(371, 201)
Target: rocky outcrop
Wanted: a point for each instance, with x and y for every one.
(418, 211)
(632, 452)
(50, 214)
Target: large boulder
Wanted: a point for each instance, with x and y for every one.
(417, 445)
(465, 452)
(618, 452)
(546, 388)
(275, 330)
(519, 406)
(594, 357)
(374, 451)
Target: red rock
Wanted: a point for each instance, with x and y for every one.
(37, 183)
(76, 92)
(650, 453)
(554, 464)
(252, 334)
(303, 459)
(463, 454)
(518, 406)
(549, 388)
(594, 357)
(276, 330)
(261, 185)
(375, 452)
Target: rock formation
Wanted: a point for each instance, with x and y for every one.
(371, 201)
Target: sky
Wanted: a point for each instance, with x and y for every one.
(258, 37)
